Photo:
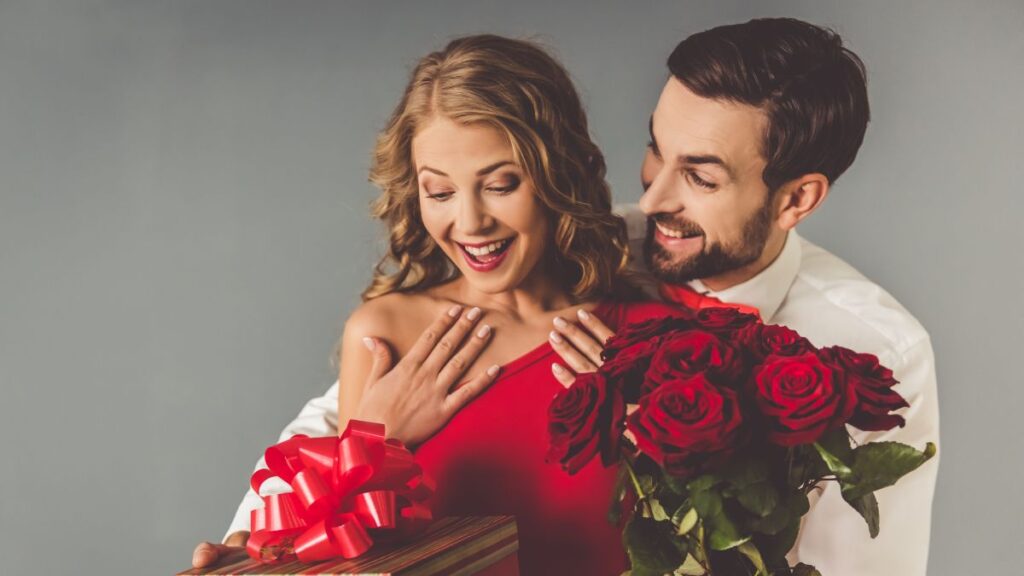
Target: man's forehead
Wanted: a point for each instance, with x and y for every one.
(685, 123)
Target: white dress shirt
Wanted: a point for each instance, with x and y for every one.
(830, 303)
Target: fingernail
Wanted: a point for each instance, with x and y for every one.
(493, 370)
(557, 369)
(583, 314)
(555, 337)
(483, 331)
(560, 322)
(369, 343)
(474, 313)
(454, 311)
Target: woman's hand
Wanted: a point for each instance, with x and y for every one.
(580, 346)
(415, 398)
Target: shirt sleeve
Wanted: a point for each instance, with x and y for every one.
(835, 539)
(319, 417)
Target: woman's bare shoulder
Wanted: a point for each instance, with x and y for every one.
(398, 318)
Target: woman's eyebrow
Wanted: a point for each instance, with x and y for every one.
(481, 172)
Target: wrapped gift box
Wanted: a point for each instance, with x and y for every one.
(485, 546)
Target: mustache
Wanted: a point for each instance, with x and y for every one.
(682, 225)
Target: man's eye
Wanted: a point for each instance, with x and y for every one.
(702, 182)
(653, 148)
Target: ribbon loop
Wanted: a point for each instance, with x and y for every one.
(341, 487)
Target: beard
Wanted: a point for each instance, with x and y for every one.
(714, 258)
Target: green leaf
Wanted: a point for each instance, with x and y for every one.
(702, 483)
(754, 555)
(880, 464)
(724, 534)
(792, 506)
(651, 551)
(837, 442)
(774, 547)
(760, 498)
(690, 567)
(685, 519)
(657, 510)
(833, 463)
(867, 507)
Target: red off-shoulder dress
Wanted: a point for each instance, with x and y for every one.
(490, 460)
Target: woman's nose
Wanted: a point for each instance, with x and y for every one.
(472, 217)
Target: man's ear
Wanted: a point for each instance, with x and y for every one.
(799, 197)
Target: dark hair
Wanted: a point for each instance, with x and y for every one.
(812, 89)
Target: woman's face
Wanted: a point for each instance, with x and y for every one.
(478, 204)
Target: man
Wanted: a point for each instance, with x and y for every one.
(754, 125)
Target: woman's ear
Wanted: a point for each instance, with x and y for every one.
(800, 197)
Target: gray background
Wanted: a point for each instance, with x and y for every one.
(183, 228)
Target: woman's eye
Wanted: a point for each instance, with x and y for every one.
(701, 182)
(504, 188)
(440, 196)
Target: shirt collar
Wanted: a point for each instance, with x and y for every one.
(769, 287)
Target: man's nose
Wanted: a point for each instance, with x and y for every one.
(663, 196)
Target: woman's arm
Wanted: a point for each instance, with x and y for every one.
(369, 321)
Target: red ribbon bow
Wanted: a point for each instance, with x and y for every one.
(342, 487)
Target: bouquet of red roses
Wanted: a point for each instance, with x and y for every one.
(736, 423)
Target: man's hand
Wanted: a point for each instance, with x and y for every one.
(208, 553)
(580, 346)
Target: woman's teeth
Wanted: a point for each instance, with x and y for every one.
(488, 250)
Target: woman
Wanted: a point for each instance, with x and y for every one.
(496, 201)
(500, 225)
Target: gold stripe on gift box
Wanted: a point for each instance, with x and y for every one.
(450, 546)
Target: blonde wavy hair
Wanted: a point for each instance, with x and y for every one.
(517, 88)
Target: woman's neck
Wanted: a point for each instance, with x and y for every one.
(537, 295)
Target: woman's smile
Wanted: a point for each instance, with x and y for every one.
(485, 256)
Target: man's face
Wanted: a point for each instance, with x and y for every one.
(709, 211)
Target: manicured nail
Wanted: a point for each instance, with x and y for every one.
(555, 337)
(483, 331)
(560, 322)
(557, 369)
(454, 311)
(474, 313)
(583, 314)
(369, 343)
(493, 370)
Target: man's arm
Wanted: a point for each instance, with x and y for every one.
(835, 539)
(319, 417)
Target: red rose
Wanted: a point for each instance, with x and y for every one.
(873, 384)
(642, 331)
(626, 370)
(764, 340)
(692, 353)
(801, 397)
(724, 319)
(584, 420)
(628, 353)
(688, 425)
